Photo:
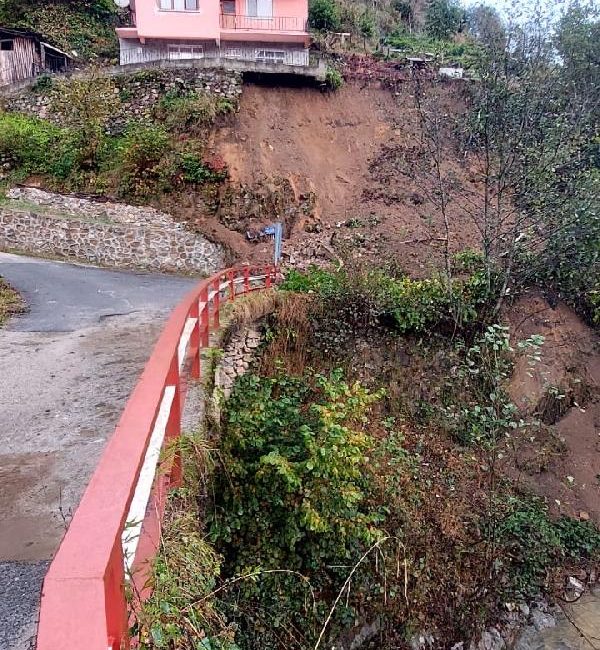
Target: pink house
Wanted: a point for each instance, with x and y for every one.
(262, 31)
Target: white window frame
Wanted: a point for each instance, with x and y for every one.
(172, 5)
(234, 53)
(185, 52)
(270, 56)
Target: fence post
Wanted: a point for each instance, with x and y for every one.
(204, 315)
(216, 302)
(173, 428)
(268, 277)
(231, 277)
(195, 341)
(246, 279)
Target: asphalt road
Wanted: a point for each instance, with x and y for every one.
(67, 366)
(65, 297)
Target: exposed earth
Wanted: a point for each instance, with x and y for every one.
(67, 366)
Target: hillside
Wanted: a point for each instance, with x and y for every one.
(83, 28)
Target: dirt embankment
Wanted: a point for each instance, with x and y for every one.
(560, 459)
(344, 171)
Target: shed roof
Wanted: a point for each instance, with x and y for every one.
(11, 32)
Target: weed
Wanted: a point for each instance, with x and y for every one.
(536, 543)
(333, 79)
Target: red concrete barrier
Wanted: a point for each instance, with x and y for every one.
(83, 604)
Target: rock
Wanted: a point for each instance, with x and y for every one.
(490, 640)
(583, 515)
(542, 620)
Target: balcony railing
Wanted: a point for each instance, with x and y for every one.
(257, 23)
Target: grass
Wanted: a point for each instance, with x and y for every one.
(10, 302)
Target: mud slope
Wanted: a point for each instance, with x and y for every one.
(561, 459)
(357, 151)
(325, 140)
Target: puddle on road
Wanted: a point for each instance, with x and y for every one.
(29, 507)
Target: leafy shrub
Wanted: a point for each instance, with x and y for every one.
(324, 15)
(366, 299)
(333, 79)
(537, 543)
(188, 112)
(142, 158)
(37, 146)
(195, 170)
(292, 495)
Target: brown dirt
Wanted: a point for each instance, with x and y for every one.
(569, 444)
(357, 152)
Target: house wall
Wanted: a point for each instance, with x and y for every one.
(152, 22)
(292, 8)
(133, 51)
(21, 62)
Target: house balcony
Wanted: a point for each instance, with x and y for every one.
(241, 27)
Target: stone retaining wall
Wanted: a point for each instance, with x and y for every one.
(135, 94)
(238, 355)
(109, 234)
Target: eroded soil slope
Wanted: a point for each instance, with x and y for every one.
(561, 459)
(344, 171)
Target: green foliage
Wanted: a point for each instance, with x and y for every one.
(334, 79)
(195, 170)
(324, 15)
(187, 568)
(466, 53)
(367, 299)
(537, 543)
(37, 146)
(297, 446)
(292, 494)
(142, 158)
(443, 19)
(84, 27)
(85, 105)
(187, 113)
(366, 25)
(484, 414)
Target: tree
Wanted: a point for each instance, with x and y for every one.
(443, 19)
(86, 104)
(486, 26)
(324, 15)
(531, 136)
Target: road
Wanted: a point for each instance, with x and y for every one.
(67, 367)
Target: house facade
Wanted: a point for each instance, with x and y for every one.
(262, 31)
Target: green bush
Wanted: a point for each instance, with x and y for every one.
(324, 15)
(292, 495)
(189, 112)
(443, 19)
(334, 79)
(36, 146)
(144, 166)
(537, 543)
(195, 170)
(366, 299)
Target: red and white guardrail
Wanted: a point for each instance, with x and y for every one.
(116, 528)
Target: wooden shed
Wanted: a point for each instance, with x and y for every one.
(24, 54)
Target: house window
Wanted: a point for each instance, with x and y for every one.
(270, 56)
(178, 52)
(260, 8)
(179, 5)
(7, 45)
(228, 7)
(234, 53)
